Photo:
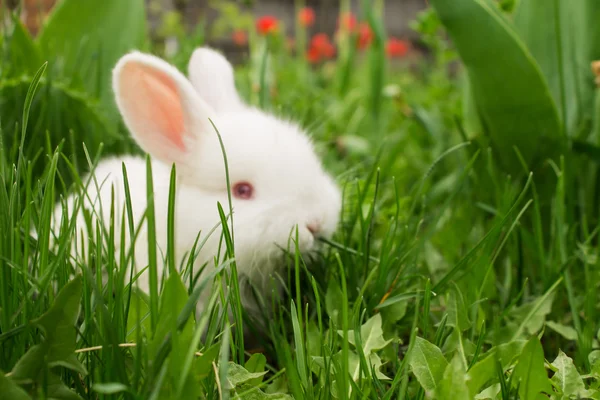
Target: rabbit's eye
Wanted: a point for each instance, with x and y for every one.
(243, 190)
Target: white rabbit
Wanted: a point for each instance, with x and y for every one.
(277, 181)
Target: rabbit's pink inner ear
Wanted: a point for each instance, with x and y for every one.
(155, 102)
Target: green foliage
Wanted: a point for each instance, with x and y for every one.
(56, 350)
(446, 279)
(516, 109)
(89, 37)
(83, 40)
(428, 364)
(529, 374)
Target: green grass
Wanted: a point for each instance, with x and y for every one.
(447, 277)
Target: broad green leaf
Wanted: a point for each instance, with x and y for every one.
(57, 390)
(58, 324)
(173, 299)
(11, 390)
(458, 319)
(59, 321)
(66, 114)
(138, 308)
(394, 312)
(471, 116)
(278, 386)
(530, 374)
(260, 395)
(564, 36)
(531, 316)
(371, 334)
(490, 393)
(517, 109)
(357, 372)
(28, 367)
(203, 364)
(485, 369)
(566, 377)
(565, 331)
(585, 38)
(314, 339)
(333, 300)
(109, 388)
(318, 366)
(236, 374)
(72, 363)
(25, 56)
(594, 359)
(546, 27)
(457, 343)
(89, 36)
(427, 364)
(256, 363)
(453, 385)
(457, 311)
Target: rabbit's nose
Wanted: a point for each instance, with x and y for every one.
(314, 228)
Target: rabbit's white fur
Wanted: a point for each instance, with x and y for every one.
(168, 115)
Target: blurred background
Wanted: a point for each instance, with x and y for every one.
(169, 17)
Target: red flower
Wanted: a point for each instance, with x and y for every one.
(313, 56)
(239, 37)
(365, 35)
(266, 25)
(320, 48)
(306, 16)
(396, 47)
(347, 21)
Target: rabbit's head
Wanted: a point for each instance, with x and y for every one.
(277, 182)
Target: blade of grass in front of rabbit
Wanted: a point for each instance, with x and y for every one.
(165, 347)
(230, 247)
(171, 223)
(224, 363)
(24, 229)
(13, 200)
(194, 252)
(234, 290)
(110, 251)
(47, 270)
(198, 289)
(191, 353)
(130, 225)
(151, 229)
(26, 108)
(157, 383)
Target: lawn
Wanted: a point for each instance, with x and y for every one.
(465, 264)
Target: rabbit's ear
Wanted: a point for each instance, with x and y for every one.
(212, 77)
(160, 107)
